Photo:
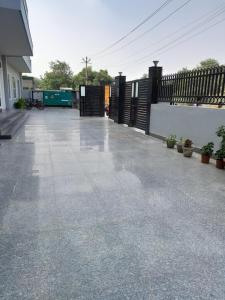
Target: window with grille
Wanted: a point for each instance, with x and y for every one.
(18, 88)
(0, 92)
(14, 87)
(9, 86)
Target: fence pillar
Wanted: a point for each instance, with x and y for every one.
(155, 75)
(119, 98)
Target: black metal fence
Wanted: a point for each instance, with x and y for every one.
(134, 98)
(195, 87)
(131, 101)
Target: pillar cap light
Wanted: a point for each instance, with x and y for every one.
(155, 62)
(120, 73)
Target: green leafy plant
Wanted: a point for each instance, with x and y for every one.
(188, 143)
(208, 149)
(172, 138)
(221, 131)
(20, 103)
(171, 141)
(220, 154)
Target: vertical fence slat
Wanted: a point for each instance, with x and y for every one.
(199, 86)
(223, 84)
(219, 83)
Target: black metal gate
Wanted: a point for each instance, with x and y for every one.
(130, 102)
(127, 102)
(136, 103)
(116, 106)
(113, 108)
(92, 101)
(142, 106)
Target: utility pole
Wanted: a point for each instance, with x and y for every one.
(86, 61)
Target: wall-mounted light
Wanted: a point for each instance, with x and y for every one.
(155, 62)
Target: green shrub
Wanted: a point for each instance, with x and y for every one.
(221, 133)
(20, 104)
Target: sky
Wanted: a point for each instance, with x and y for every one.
(71, 29)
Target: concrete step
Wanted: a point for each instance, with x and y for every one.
(11, 122)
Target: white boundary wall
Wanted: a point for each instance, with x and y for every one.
(197, 123)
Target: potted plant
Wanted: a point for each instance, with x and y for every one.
(207, 151)
(20, 104)
(220, 155)
(171, 141)
(180, 144)
(187, 148)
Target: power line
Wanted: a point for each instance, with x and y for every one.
(207, 20)
(147, 31)
(209, 14)
(167, 2)
(194, 35)
(191, 37)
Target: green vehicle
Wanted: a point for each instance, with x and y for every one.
(58, 98)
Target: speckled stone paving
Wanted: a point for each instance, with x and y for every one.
(92, 210)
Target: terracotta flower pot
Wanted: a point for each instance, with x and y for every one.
(187, 152)
(180, 148)
(205, 159)
(220, 164)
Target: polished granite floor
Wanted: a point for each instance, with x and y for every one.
(92, 210)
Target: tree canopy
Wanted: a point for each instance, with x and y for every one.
(208, 63)
(94, 77)
(204, 64)
(61, 75)
(144, 76)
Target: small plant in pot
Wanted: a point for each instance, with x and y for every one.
(171, 141)
(180, 144)
(207, 152)
(220, 155)
(187, 148)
